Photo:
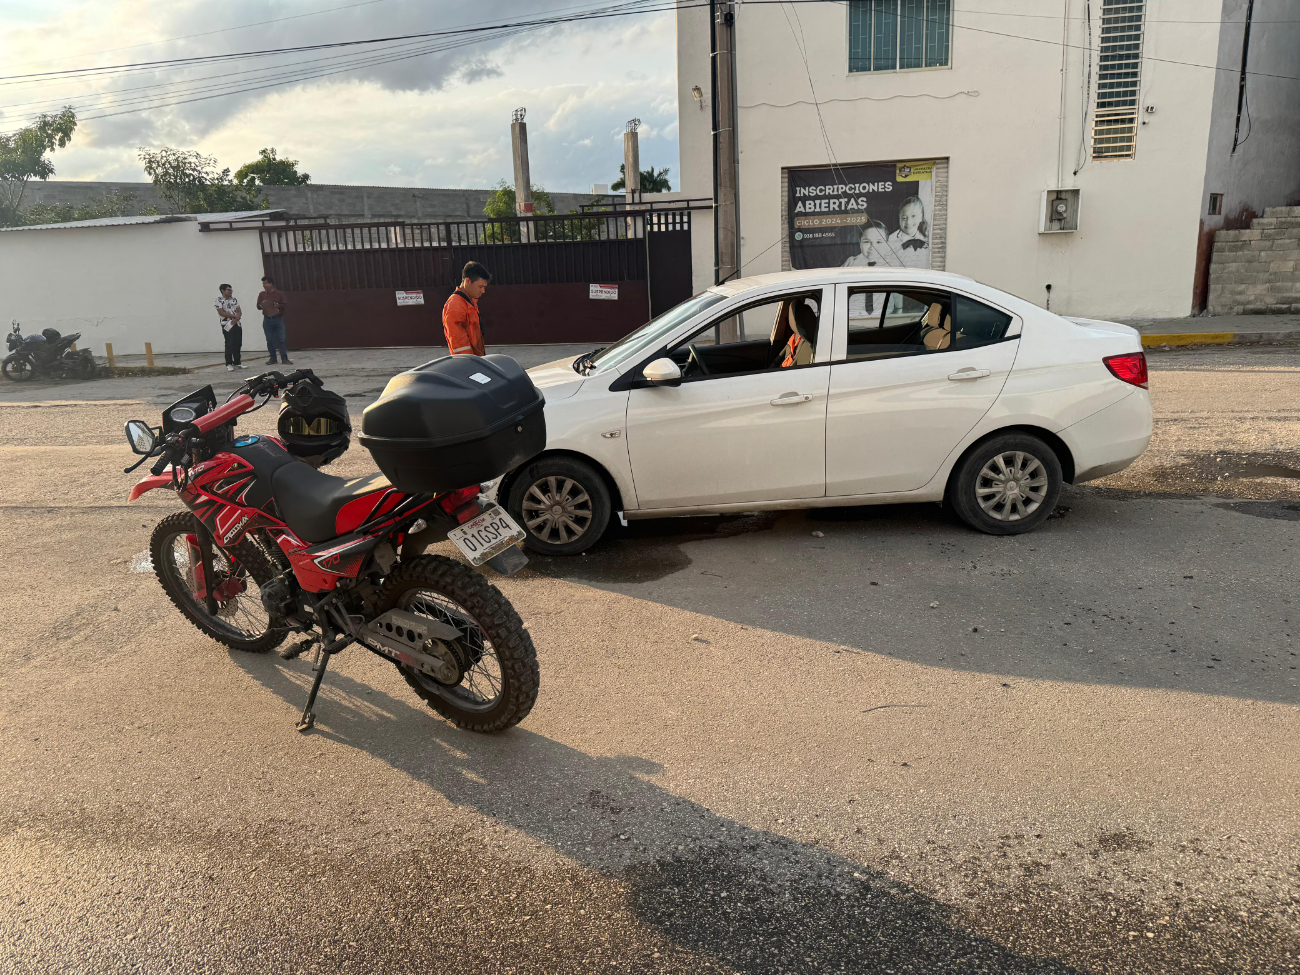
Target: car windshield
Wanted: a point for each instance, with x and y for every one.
(653, 331)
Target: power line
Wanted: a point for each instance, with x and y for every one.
(206, 33)
(395, 52)
(466, 35)
(614, 10)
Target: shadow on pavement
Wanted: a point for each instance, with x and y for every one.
(752, 899)
(1118, 588)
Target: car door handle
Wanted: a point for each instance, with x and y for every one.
(969, 372)
(791, 399)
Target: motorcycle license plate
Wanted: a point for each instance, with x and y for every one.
(487, 535)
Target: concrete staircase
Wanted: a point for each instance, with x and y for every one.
(1257, 271)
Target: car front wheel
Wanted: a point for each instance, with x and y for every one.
(562, 503)
(1007, 485)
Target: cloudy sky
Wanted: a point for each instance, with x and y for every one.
(428, 112)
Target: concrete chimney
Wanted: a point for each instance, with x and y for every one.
(631, 162)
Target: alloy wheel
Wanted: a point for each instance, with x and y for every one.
(1011, 486)
(557, 510)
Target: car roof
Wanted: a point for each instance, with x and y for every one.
(834, 275)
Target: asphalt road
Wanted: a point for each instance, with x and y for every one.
(859, 740)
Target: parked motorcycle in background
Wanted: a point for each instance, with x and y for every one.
(47, 354)
(272, 546)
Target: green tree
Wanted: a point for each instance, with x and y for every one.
(652, 180)
(191, 183)
(501, 207)
(269, 170)
(23, 157)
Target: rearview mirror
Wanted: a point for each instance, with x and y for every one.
(663, 372)
(140, 436)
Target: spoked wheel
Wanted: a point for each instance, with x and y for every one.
(498, 663)
(562, 503)
(241, 621)
(1007, 485)
(18, 369)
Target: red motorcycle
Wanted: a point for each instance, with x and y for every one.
(271, 546)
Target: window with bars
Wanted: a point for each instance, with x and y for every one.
(894, 35)
(1115, 119)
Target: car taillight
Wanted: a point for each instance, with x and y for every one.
(1130, 367)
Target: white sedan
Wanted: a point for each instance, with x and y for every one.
(833, 387)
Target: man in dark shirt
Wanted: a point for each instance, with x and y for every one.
(271, 303)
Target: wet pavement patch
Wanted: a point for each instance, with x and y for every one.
(1223, 473)
(1277, 510)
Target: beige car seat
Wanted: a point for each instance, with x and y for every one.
(936, 328)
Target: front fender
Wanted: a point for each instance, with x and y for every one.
(149, 482)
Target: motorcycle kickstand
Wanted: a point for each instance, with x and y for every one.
(308, 719)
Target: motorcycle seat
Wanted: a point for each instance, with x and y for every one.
(310, 501)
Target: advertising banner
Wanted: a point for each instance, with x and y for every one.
(861, 215)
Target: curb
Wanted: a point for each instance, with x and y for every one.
(1173, 339)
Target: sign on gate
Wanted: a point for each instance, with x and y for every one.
(603, 292)
(410, 298)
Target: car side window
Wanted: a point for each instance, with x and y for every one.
(777, 333)
(977, 324)
(890, 322)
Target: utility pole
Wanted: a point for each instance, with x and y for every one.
(631, 170)
(726, 202)
(523, 184)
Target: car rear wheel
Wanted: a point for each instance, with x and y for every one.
(1007, 485)
(562, 503)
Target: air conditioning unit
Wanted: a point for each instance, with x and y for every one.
(1060, 212)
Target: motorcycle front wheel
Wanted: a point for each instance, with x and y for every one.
(499, 681)
(17, 368)
(241, 622)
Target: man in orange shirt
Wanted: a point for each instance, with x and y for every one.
(460, 313)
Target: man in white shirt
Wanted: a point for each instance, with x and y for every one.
(229, 314)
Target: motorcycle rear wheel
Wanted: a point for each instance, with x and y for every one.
(500, 680)
(241, 622)
(18, 369)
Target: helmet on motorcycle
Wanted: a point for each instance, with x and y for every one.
(314, 424)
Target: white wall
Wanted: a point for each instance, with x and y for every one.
(695, 133)
(130, 285)
(1134, 255)
(1265, 169)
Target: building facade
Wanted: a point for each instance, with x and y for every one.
(1080, 153)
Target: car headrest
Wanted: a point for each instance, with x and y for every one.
(805, 320)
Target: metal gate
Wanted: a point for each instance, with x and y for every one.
(589, 277)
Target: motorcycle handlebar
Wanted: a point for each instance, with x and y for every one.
(223, 414)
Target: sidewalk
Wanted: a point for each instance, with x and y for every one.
(1218, 330)
(356, 362)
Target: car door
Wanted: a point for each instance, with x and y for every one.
(914, 370)
(754, 433)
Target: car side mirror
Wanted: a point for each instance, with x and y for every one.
(140, 436)
(663, 372)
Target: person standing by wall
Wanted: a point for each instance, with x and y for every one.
(460, 314)
(271, 303)
(228, 316)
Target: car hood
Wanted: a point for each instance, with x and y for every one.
(557, 379)
(1115, 328)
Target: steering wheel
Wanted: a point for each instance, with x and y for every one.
(698, 359)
